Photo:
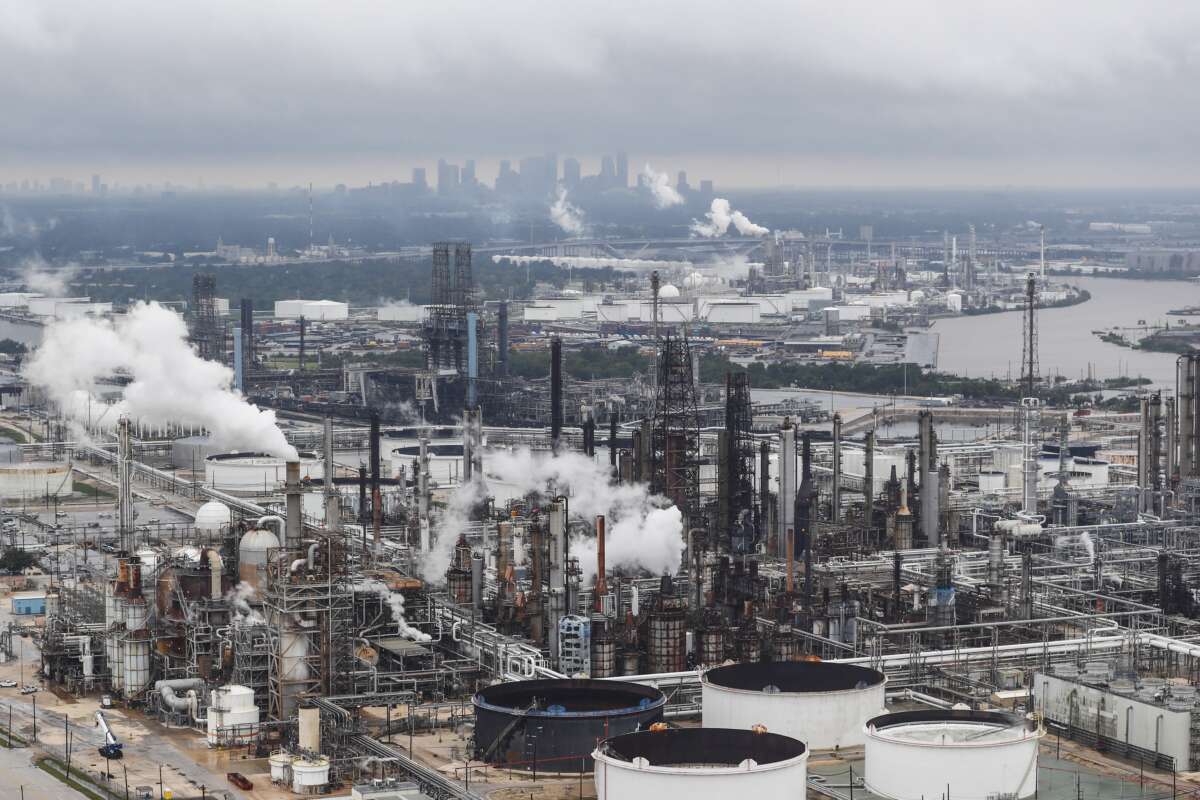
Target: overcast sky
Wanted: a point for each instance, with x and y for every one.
(750, 93)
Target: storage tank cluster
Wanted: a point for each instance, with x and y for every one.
(822, 704)
(700, 763)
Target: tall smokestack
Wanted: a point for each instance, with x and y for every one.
(502, 339)
(247, 325)
(556, 411)
(294, 527)
(612, 440)
(835, 504)
(376, 497)
(303, 329)
(804, 504)
(601, 585)
(333, 508)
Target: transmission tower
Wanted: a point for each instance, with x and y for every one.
(676, 435)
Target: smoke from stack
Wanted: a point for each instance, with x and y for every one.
(170, 383)
(659, 183)
(720, 216)
(566, 215)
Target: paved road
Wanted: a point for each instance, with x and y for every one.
(17, 774)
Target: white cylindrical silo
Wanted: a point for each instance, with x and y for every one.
(136, 675)
(310, 775)
(310, 729)
(699, 764)
(281, 767)
(232, 716)
(822, 704)
(971, 755)
(253, 550)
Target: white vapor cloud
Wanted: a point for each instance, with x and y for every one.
(565, 215)
(38, 276)
(665, 195)
(720, 216)
(169, 384)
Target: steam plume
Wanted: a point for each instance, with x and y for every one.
(395, 602)
(720, 216)
(170, 383)
(38, 276)
(644, 531)
(566, 215)
(665, 195)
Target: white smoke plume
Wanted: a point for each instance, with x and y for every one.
(731, 268)
(747, 228)
(170, 383)
(395, 601)
(38, 276)
(720, 216)
(665, 195)
(643, 530)
(455, 517)
(566, 215)
(239, 598)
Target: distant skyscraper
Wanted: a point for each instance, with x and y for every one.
(447, 178)
(468, 173)
(571, 172)
(95, 184)
(622, 170)
(418, 178)
(681, 184)
(706, 187)
(608, 172)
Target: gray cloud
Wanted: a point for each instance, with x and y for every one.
(785, 87)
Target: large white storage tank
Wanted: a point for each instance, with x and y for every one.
(252, 473)
(700, 763)
(970, 755)
(289, 309)
(734, 313)
(310, 775)
(402, 312)
(32, 479)
(232, 716)
(325, 310)
(823, 705)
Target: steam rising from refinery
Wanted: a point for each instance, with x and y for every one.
(169, 383)
(645, 531)
(665, 195)
(720, 216)
(566, 215)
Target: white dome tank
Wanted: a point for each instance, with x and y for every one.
(971, 755)
(253, 550)
(668, 291)
(310, 775)
(822, 704)
(213, 516)
(232, 707)
(699, 764)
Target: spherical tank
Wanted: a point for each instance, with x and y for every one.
(558, 722)
(212, 517)
(971, 755)
(823, 705)
(700, 763)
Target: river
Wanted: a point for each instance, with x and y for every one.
(990, 345)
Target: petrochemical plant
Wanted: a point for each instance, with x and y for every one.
(450, 582)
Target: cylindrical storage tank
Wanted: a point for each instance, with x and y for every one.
(310, 729)
(968, 755)
(190, 452)
(281, 767)
(232, 716)
(310, 775)
(558, 722)
(823, 705)
(252, 556)
(35, 479)
(698, 763)
(254, 473)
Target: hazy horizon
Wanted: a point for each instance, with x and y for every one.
(864, 95)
